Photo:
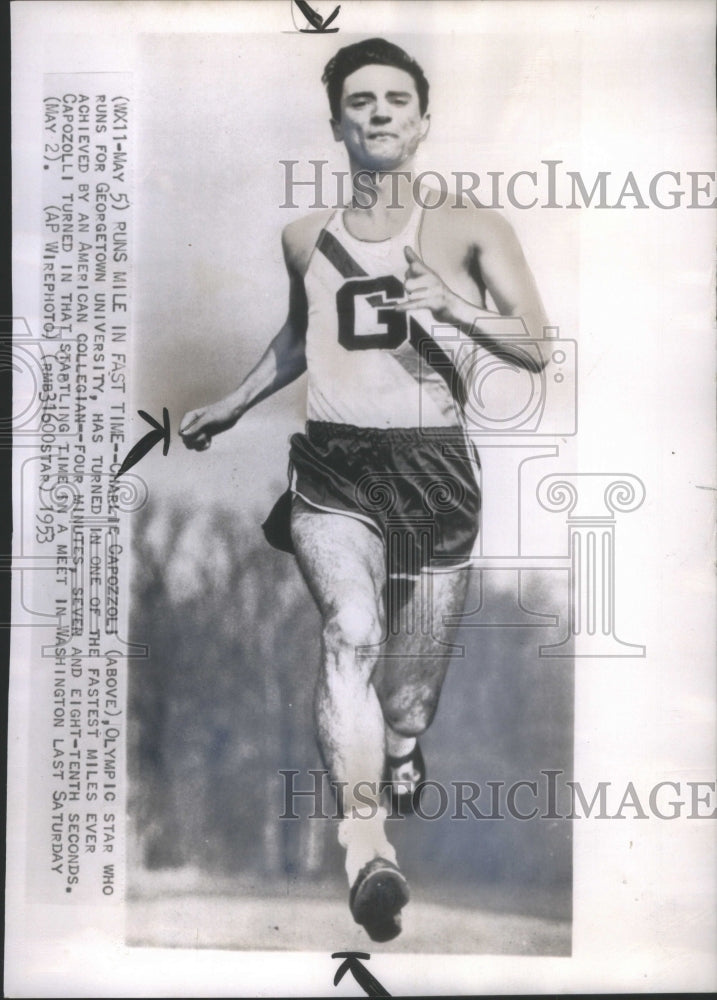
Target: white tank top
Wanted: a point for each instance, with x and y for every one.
(368, 364)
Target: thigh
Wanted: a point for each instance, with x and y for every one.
(420, 629)
(341, 558)
(425, 611)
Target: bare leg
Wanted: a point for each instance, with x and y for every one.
(342, 561)
(412, 663)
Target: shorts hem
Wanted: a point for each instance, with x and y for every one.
(463, 564)
(339, 510)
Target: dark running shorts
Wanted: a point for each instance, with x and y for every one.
(416, 487)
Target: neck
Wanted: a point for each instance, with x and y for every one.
(382, 191)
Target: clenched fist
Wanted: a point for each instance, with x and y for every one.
(198, 427)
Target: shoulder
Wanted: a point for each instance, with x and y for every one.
(299, 238)
(475, 229)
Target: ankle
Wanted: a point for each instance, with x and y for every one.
(397, 745)
(364, 839)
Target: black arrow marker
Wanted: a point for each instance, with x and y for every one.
(314, 18)
(368, 983)
(160, 432)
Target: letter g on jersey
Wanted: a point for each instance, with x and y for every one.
(367, 319)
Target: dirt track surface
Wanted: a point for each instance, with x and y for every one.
(191, 920)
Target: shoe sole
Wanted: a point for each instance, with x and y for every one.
(378, 902)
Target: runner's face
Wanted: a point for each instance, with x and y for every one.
(381, 122)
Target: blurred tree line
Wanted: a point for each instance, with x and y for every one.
(224, 699)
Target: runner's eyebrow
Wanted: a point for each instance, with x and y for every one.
(371, 95)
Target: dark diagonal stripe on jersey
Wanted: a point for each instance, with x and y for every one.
(434, 355)
(339, 256)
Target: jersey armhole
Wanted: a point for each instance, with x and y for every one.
(316, 242)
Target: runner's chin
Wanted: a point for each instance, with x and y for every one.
(385, 153)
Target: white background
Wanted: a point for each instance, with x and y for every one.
(617, 87)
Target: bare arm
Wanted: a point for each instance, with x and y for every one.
(508, 279)
(497, 255)
(282, 362)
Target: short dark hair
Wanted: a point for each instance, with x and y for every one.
(369, 52)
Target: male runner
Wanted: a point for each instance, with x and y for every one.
(384, 501)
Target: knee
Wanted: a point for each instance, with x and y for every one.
(349, 627)
(410, 714)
